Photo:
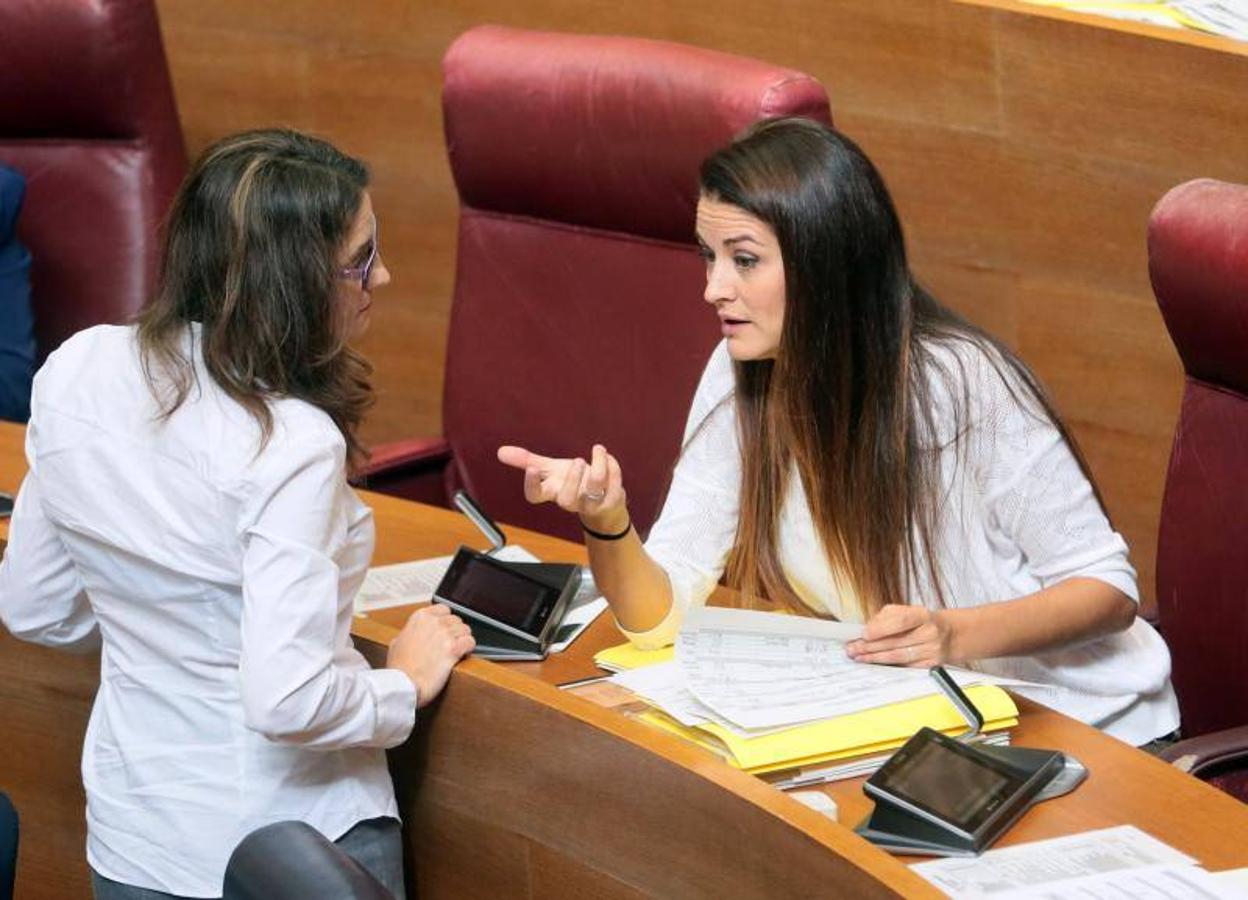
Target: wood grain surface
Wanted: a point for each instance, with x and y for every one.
(1025, 148)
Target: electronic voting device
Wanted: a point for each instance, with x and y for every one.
(940, 796)
(513, 608)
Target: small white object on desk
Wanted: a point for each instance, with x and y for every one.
(816, 800)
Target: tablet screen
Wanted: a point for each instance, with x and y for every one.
(958, 787)
(498, 593)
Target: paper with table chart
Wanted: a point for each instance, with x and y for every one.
(1151, 883)
(1108, 863)
(663, 686)
(759, 670)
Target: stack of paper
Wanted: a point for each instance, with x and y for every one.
(777, 695)
(1228, 18)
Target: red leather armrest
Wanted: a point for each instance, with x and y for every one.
(409, 453)
(1208, 750)
(417, 469)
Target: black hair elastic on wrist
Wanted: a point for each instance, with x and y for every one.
(598, 535)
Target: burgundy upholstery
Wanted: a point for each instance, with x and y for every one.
(88, 117)
(1198, 260)
(577, 314)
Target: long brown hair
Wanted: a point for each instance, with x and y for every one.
(250, 253)
(848, 400)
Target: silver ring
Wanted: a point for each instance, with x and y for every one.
(596, 496)
(910, 654)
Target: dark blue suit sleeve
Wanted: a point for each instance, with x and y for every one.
(17, 338)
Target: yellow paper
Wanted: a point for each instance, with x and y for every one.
(626, 656)
(873, 749)
(857, 734)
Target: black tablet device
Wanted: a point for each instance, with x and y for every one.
(512, 608)
(954, 790)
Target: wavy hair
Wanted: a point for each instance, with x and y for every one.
(250, 253)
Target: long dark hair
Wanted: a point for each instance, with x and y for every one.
(848, 399)
(250, 253)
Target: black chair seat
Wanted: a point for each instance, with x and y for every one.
(293, 860)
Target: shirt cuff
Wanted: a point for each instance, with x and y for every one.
(394, 696)
(661, 635)
(1124, 581)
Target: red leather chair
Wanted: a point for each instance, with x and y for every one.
(577, 314)
(1198, 260)
(89, 118)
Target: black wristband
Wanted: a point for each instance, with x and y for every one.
(598, 535)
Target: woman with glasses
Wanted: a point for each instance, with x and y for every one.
(857, 450)
(187, 506)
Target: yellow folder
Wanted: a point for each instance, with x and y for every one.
(843, 737)
(626, 656)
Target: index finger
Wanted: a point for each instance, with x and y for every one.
(520, 458)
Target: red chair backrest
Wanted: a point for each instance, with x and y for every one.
(89, 118)
(1198, 261)
(578, 313)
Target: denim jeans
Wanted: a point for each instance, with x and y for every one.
(376, 844)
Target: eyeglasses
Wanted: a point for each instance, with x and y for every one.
(363, 272)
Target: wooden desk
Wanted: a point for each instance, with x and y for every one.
(512, 787)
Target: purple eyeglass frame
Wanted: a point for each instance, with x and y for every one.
(364, 272)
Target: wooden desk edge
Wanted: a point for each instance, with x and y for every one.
(1040, 727)
(835, 836)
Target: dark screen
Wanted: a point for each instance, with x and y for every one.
(952, 786)
(499, 594)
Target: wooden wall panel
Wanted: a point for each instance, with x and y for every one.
(1024, 148)
(1122, 97)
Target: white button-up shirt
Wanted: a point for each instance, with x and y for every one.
(220, 577)
(1017, 515)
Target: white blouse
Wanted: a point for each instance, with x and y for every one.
(1018, 516)
(220, 578)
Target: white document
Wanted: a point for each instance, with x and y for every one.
(719, 618)
(1049, 868)
(761, 670)
(1227, 17)
(663, 685)
(1233, 878)
(402, 584)
(1151, 883)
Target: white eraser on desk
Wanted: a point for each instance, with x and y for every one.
(816, 800)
